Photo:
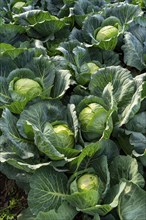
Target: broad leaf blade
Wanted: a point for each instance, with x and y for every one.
(62, 83)
(64, 212)
(132, 203)
(26, 214)
(48, 190)
(126, 168)
(133, 52)
(11, 33)
(124, 11)
(132, 108)
(83, 200)
(121, 80)
(22, 147)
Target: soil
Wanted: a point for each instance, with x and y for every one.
(12, 199)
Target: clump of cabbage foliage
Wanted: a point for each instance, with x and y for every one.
(73, 107)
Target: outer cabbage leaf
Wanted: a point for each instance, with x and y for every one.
(41, 23)
(9, 157)
(133, 107)
(53, 77)
(102, 171)
(84, 7)
(22, 147)
(48, 190)
(22, 60)
(8, 49)
(124, 11)
(62, 82)
(6, 13)
(27, 18)
(134, 52)
(132, 203)
(4, 93)
(52, 6)
(141, 157)
(122, 81)
(20, 164)
(138, 140)
(141, 21)
(137, 28)
(125, 168)
(26, 214)
(108, 217)
(93, 151)
(66, 48)
(6, 65)
(133, 136)
(91, 23)
(138, 123)
(76, 34)
(12, 34)
(59, 8)
(65, 212)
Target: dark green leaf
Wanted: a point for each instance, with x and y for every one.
(48, 190)
(121, 80)
(132, 203)
(64, 212)
(124, 11)
(133, 52)
(22, 147)
(126, 168)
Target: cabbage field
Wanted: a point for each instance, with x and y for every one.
(73, 108)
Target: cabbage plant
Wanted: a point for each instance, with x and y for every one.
(50, 127)
(39, 80)
(85, 61)
(102, 32)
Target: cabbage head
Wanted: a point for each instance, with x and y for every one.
(93, 121)
(26, 86)
(86, 190)
(87, 182)
(89, 67)
(65, 137)
(107, 37)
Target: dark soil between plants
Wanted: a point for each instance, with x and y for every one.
(12, 199)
